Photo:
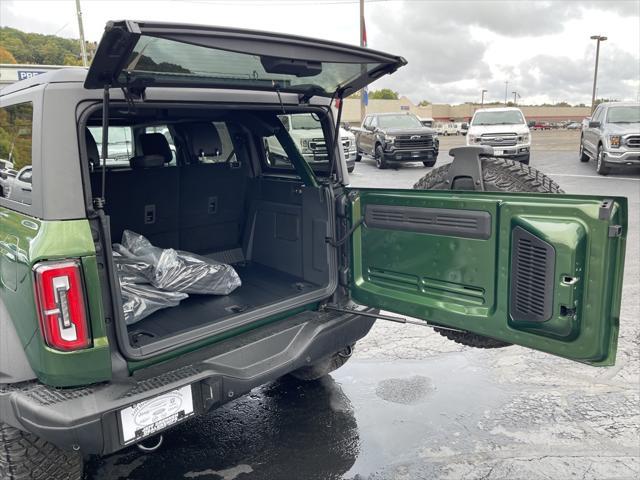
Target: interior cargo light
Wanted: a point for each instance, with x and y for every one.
(61, 305)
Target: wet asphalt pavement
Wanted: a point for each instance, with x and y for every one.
(413, 405)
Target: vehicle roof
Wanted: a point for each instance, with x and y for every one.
(498, 109)
(620, 104)
(55, 76)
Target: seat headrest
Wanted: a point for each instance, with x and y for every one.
(205, 140)
(147, 161)
(92, 148)
(155, 144)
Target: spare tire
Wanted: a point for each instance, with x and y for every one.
(499, 175)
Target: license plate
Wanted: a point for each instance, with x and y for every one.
(498, 152)
(146, 418)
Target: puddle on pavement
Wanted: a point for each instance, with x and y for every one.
(367, 415)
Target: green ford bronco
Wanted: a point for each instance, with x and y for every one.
(163, 140)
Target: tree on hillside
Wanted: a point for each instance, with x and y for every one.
(384, 94)
(40, 49)
(5, 56)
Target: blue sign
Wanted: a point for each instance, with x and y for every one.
(24, 74)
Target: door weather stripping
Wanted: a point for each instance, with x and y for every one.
(387, 317)
(465, 172)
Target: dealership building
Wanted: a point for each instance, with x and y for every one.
(456, 113)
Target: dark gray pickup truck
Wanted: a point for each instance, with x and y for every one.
(396, 137)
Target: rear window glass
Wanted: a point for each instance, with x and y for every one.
(16, 127)
(174, 62)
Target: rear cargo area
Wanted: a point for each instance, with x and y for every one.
(271, 228)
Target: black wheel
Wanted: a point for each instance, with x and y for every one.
(381, 163)
(583, 156)
(324, 367)
(358, 156)
(430, 163)
(350, 169)
(499, 175)
(23, 456)
(601, 165)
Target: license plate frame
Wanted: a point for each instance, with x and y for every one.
(146, 418)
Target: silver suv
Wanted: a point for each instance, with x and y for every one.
(612, 136)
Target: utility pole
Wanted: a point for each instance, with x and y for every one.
(506, 87)
(363, 43)
(515, 98)
(482, 98)
(598, 38)
(83, 47)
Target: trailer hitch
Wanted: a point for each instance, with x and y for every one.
(465, 172)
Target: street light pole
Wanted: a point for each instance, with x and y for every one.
(482, 98)
(515, 98)
(83, 47)
(363, 43)
(598, 38)
(506, 88)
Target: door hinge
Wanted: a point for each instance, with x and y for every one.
(615, 231)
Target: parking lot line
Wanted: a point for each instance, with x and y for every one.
(593, 176)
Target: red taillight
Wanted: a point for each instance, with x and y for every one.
(61, 307)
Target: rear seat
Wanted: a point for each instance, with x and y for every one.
(212, 195)
(145, 197)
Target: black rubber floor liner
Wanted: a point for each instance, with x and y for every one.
(260, 286)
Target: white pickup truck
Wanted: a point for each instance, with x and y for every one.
(306, 132)
(504, 130)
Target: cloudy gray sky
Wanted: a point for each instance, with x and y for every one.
(454, 48)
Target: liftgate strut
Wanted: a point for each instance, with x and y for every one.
(387, 317)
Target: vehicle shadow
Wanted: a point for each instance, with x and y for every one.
(287, 429)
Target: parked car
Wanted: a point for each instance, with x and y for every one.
(464, 128)
(612, 136)
(574, 126)
(504, 130)
(20, 188)
(396, 137)
(7, 176)
(306, 131)
(81, 372)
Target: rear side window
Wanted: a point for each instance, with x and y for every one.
(16, 122)
(120, 148)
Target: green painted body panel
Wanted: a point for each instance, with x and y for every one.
(24, 241)
(465, 282)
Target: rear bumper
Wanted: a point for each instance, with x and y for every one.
(87, 418)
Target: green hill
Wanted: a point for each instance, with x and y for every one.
(39, 49)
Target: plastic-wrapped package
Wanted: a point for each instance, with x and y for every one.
(141, 300)
(132, 270)
(179, 271)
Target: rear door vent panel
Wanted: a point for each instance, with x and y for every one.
(532, 277)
